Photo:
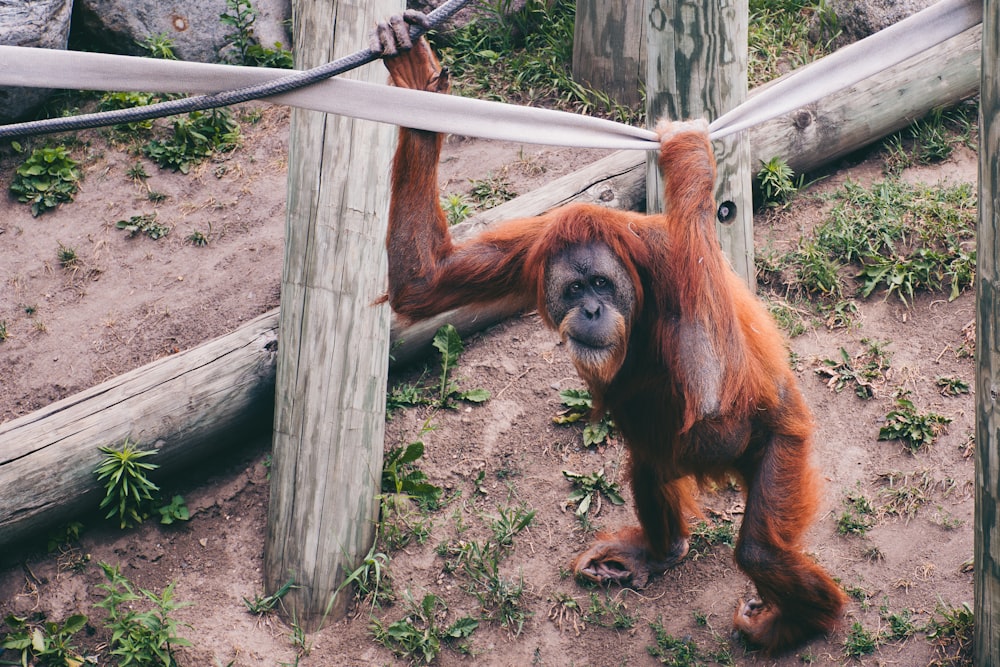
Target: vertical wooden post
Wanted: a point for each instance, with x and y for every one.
(696, 67)
(986, 643)
(609, 49)
(333, 343)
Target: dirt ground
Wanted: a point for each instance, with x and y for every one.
(130, 301)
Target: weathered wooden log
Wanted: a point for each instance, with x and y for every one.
(986, 534)
(329, 414)
(184, 406)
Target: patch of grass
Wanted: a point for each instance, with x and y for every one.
(508, 522)
(950, 630)
(670, 650)
(141, 637)
(931, 139)
(779, 39)
(858, 516)
(859, 642)
(491, 191)
(610, 612)
(127, 489)
(144, 223)
(265, 604)
(47, 178)
(579, 405)
(67, 257)
(866, 372)
(524, 57)
(419, 634)
(905, 492)
(588, 488)
(372, 580)
(705, 535)
(914, 430)
(899, 625)
(900, 238)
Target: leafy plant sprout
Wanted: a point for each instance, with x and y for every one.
(127, 489)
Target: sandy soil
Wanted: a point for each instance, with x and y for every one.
(131, 301)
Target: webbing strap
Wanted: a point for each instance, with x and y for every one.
(21, 66)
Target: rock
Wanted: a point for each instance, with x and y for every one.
(193, 26)
(40, 23)
(856, 19)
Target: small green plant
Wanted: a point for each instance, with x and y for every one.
(951, 630)
(610, 612)
(44, 643)
(371, 579)
(866, 371)
(859, 642)
(195, 137)
(245, 49)
(777, 182)
(144, 223)
(174, 511)
(46, 179)
(950, 386)
(858, 516)
(4, 334)
(418, 636)
(491, 191)
(198, 238)
(670, 650)
(456, 208)
(401, 476)
(264, 604)
(915, 430)
(580, 405)
(508, 522)
(587, 488)
(159, 46)
(899, 624)
(127, 100)
(905, 492)
(127, 489)
(705, 535)
(67, 257)
(499, 596)
(141, 638)
(449, 344)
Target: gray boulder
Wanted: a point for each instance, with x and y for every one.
(39, 23)
(193, 26)
(857, 19)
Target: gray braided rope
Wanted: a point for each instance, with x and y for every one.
(226, 98)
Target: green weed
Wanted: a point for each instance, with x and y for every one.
(127, 489)
(196, 136)
(905, 492)
(859, 642)
(591, 487)
(579, 405)
(158, 46)
(951, 386)
(915, 430)
(610, 612)
(456, 208)
(670, 650)
(418, 636)
(198, 238)
(449, 344)
(243, 46)
(951, 631)
(4, 333)
(858, 516)
(144, 223)
(174, 511)
(705, 535)
(491, 191)
(401, 476)
(67, 257)
(263, 604)
(372, 580)
(44, 643)
(776, 182)
(140, 637)
(866, 372)
(46, 179)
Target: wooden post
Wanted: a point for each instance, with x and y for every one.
(333, 345)
(696, 67)
(609, 51)
(986, 643)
